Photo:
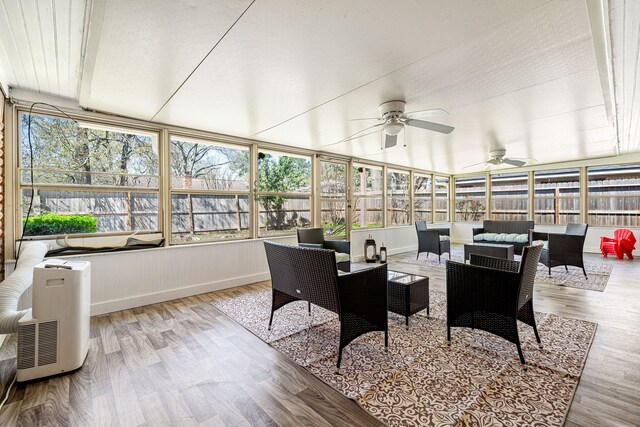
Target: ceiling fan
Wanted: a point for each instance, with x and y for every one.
(497, 157)
(393, 119)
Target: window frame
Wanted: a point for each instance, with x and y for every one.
(368, 196)
(390, 198)
(207, 192)
(517, 176)
(288, 195)
(577, 197)
(95, 123)
(484, 200)
(430, 195)
(623, 213)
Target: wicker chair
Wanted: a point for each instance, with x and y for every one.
(432, 241)
(491, 294)
(562, 249)
(310, 274)
(314, 238)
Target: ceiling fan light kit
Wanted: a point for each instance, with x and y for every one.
(393, 120)
(497, 158)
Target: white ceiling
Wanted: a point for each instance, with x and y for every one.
(537, 77)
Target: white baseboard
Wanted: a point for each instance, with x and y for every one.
(141, 300)
(394, 251)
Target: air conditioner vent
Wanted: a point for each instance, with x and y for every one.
(26, 346)
(47, 343)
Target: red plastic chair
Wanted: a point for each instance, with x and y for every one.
(623, 243)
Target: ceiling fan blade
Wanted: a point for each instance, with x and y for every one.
(475, 164)
(436, 127)
(434, 112)
(390, 141)
(366, 118)
(514, 162)
(356, 135)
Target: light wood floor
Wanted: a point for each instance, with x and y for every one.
(185, 363)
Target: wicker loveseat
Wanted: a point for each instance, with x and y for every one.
(514, 233)
(310, 274)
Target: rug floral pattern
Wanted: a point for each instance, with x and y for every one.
(421, 380)
(597, 273)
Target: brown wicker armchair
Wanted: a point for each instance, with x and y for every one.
(314, 238)
(435, 240)
(310, 274)
(491, 294)
(562, 249)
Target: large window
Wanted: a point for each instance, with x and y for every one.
(284, 193)
(442, 199)
(509, 197)
(209, 190)
(333, 198)
(557, 196)
(471, 198)
(398, 198)
(422, 198)
(367, 196)
(614, 195)
(87, 178)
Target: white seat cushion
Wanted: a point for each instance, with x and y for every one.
(340, 257)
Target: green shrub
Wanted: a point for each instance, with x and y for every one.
(50, 223)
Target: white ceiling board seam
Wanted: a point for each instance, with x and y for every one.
(92, 31)
(55, 44)
(546, 82)
(26, 33)
(203, 59)
(633, 115)
(15, 44)
(598, 13)
(444, 49)
(44, 54)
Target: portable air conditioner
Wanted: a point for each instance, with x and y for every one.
(53, 337)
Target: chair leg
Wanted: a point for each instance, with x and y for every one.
(339, 359)
(309, 308)
(386, 339)
(518, 346)
(270, 321)
(549, 271)
(448, 334)
(438, 258)
(418, 256)
(566, 268)
(533, 323)
(585, 273)
(520, 352)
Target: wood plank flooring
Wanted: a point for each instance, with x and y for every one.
(183, 362)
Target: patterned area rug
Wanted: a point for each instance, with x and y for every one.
(598, 273)
(420, 380)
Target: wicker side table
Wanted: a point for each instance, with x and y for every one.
(407, 294)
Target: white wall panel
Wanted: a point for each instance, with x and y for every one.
(396, 240)
(127, 279)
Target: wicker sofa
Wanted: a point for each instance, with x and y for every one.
(311, 274)
(504, 232)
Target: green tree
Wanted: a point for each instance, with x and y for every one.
(59, 151)
(65, 153)
(280, 174)
(333, 184)
(218, 167)
(471, 210)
